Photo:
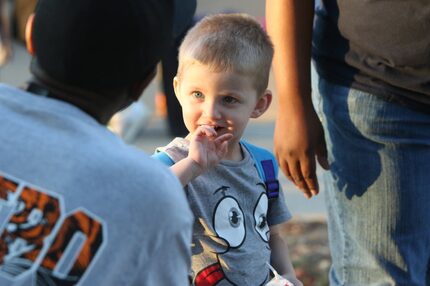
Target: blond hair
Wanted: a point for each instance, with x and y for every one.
(233, 42)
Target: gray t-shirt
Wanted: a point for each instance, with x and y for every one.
(380, 47)
(232, 219)
(78, 206)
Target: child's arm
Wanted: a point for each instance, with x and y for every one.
(280, 256)
(205, 151)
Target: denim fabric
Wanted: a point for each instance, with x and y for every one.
(378, 189)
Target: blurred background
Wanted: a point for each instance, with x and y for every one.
(145, 125)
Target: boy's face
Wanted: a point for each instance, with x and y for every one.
(225, 100)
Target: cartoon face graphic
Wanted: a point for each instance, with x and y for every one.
(244, 229)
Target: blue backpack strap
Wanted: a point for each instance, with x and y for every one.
(267, 168)
(163, 157)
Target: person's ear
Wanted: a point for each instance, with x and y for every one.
(262, 104)
(176, 88)
(29, 35)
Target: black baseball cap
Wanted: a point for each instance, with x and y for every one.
(101, 43)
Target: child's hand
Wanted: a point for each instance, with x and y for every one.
(206, 149)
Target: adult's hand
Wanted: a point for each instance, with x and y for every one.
(298, 139)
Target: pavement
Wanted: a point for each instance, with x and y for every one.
(154, 132)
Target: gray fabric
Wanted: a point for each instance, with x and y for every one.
(226, 201)
(133, 204)
(380, 47)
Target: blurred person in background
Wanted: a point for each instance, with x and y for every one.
(169, 65)
(22, 9)
(130, 123)
(5, 32)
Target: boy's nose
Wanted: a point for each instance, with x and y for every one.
(211, 110)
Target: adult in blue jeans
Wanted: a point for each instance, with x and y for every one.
(373, 78)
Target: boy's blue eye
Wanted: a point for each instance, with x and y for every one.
(197, 94)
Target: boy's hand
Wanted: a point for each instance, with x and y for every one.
(298, 139)
(206, 149)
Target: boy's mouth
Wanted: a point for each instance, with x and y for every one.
(217, 128)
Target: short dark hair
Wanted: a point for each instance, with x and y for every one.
(97, 44)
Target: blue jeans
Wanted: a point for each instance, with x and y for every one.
(377, 190)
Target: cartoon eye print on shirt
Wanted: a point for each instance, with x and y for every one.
(260, 217)
(229, 221)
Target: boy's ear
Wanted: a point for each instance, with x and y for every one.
(262, 104)
(28, 35)
(176, 88)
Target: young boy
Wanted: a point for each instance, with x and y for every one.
(224, 64)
